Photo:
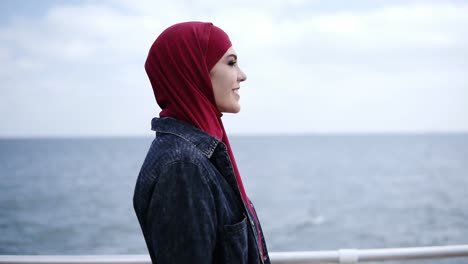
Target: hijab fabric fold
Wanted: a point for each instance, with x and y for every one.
(178, 66)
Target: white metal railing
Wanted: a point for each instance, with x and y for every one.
(349, 256)
(345, 256)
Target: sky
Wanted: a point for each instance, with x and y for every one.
(76, 68)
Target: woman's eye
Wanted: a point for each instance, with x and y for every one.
(232, 63)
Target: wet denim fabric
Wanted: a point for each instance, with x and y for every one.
(188, 203)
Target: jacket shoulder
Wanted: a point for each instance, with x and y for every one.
(167, 149)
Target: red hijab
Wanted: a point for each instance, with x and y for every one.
(178, 66)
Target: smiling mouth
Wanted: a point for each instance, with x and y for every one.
(236, 92)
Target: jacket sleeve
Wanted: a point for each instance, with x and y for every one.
(182, 217)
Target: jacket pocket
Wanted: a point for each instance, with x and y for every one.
(234, 242)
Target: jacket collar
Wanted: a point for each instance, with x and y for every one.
(203, 141)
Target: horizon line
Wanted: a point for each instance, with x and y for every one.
(241, 134)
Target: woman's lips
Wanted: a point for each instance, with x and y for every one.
(236, 92)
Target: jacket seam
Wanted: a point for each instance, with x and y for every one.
(208, 153)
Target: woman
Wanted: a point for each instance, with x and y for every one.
(189, 197)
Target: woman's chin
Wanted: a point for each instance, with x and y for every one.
(234, 109)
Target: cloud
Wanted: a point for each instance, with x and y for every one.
(74, 67)
(393, 68)
(396, 67)
(405, 26)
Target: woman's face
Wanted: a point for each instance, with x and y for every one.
(226, 77)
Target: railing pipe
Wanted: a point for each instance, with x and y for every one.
(349, 256)
(75, 259)
(343, 256)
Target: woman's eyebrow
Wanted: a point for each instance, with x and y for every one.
(232, 55)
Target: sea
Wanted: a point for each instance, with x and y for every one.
(312, 192)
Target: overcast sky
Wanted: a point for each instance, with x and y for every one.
(76, 67)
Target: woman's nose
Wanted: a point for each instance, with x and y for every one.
(242, 76)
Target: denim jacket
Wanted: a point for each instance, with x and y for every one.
(188, 203)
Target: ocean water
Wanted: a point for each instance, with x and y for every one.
(312, 192)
